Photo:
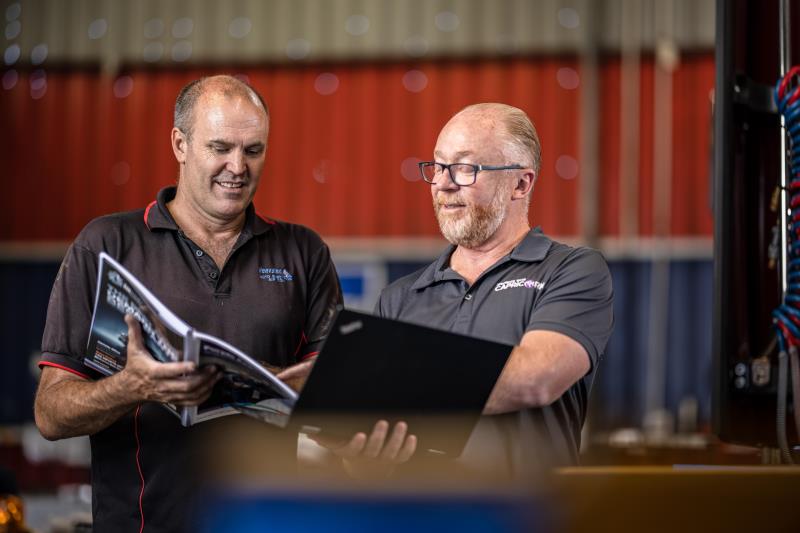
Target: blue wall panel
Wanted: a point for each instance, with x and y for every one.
(619, 395)
(689, 341)
(25, 291)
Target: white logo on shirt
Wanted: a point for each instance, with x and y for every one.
(521, 282)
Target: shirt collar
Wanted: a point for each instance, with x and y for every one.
(157, 216)
(532, 248)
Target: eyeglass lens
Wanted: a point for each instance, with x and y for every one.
(463, 174)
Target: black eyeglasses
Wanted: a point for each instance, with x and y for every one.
(462, 174)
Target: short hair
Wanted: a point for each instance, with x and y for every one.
(229, 86)
(519, 127)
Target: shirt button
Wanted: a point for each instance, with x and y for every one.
(198, 253)
(213, 275)
(468, 297)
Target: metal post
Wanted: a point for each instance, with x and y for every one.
(784, 34)
(590, 132)
(630, 88)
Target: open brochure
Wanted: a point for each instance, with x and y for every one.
(246, 386)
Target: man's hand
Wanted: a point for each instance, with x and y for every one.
(146, 379)
(296, 375)
(372, 457)
(68, 405)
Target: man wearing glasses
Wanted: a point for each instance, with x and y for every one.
(504, 281)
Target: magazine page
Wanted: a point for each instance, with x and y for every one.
(275, 411)
(120, 293)
(245, 386)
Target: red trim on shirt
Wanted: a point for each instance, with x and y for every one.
(62, 367)
(308, 356)
(147, 212)
(139, 464)
(303, 340)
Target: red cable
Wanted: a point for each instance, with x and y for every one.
(790, 339)
(793, 318)
(139, 465)
(785, 81)
(793, 98)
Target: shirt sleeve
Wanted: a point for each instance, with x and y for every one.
(378, 311)
(577, 301)
(69, 313)
(324, 299)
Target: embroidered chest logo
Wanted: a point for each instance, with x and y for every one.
(281, 275)
(521, 282)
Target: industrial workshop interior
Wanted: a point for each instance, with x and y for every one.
(400, 265)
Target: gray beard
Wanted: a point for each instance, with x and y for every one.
(478, 224)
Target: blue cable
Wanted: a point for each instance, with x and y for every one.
(791, 114)
(787, 322)
(791, 310)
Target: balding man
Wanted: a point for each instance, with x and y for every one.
(502, 280)
(202, 249)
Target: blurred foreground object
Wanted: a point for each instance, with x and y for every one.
(248, 491)
(12, 516)
(12, 512)
(259, 488)
(333, 510)
(682, 498)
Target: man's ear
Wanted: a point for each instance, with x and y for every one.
(524, 183)
(179, 145)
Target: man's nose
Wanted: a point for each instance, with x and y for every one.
(237, 163)
(444, 182)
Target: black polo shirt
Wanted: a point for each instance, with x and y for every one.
(540, 284)
(274, 299)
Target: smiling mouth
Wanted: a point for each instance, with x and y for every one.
(230, 184)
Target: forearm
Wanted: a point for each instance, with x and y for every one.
(517, 388)
(538, 372)
(74, 407)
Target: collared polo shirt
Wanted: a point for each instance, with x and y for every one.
(540, 285)
(274, 298)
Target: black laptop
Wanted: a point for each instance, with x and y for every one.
(373, 368)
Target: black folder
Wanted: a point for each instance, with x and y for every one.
(372, 368)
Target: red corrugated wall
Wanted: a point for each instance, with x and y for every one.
(342, 163)
(693, 82)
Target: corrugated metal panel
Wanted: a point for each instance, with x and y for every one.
(115, 34)
(344, 162)
(618, 397)
(692, 136)
(691, 24)
(692, 83)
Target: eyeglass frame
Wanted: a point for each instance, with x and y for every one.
(475, 169)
